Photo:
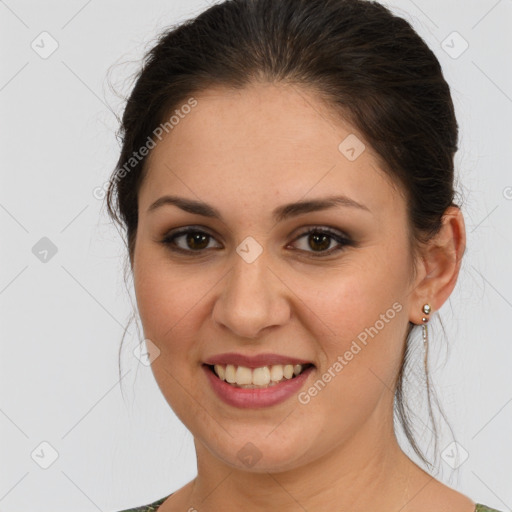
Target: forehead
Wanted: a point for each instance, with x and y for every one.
(260, 143)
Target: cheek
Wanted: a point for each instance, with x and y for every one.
(365, 307)
(161, 301)
(370, 290)
(160, 293)
(168, 302)
(172, 301)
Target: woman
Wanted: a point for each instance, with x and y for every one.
(286, 187)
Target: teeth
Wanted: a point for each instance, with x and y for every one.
(265, 376)
(220, 371)
(230, 373)
(260, 376)
(243, 375)
(276, 373)
(288, 371)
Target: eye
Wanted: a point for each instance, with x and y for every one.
(319, 240)
(195, 240)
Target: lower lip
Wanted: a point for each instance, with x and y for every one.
(253, 397)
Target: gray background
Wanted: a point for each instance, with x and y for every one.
(62, 315)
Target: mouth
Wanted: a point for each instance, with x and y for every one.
(257, 378)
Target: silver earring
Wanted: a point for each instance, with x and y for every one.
(426, 310)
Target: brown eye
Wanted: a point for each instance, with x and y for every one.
(319, 240)
(188, 241)
(196, 240)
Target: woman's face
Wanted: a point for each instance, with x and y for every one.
(252, 282)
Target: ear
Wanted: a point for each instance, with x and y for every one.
(439, 265)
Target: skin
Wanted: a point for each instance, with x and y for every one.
(246, 152)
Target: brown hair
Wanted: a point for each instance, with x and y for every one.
(365, 62)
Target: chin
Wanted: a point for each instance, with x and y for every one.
(258, 452)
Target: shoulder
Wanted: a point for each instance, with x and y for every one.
(151, 507)
(443, 498)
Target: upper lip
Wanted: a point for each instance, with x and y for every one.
(255, 361)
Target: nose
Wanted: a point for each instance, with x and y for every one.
(253, 299)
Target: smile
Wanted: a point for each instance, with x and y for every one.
(255, 387)
(255, 378)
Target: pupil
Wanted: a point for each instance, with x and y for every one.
(317, 237)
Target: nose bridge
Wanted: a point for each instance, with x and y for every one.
(252, 298)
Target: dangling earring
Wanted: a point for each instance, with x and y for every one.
(426, 310)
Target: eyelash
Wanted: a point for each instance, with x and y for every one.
(344, 241)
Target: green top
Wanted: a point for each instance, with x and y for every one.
(152, 507)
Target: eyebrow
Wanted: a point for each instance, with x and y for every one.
(279, 214)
